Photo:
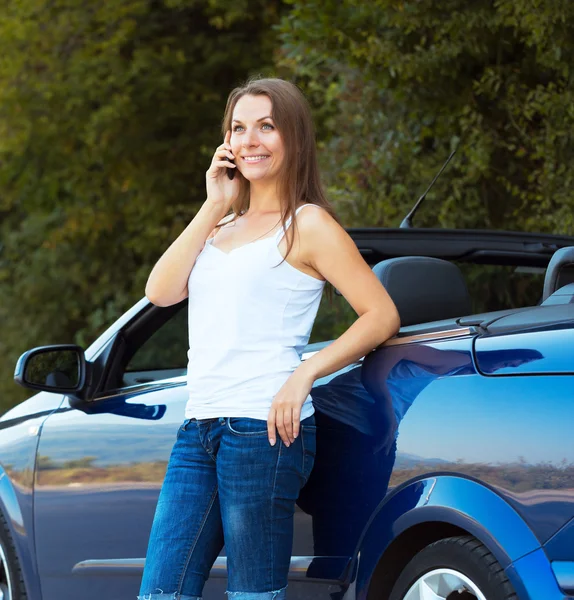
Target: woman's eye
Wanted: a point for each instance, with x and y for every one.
(268, 125)
(237, 128)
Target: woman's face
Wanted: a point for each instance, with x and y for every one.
(255, 140)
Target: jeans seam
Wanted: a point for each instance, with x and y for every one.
(272, 520)
(194, 544)
(202, 444)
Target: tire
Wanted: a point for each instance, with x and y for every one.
(456, 568)
(11, 581)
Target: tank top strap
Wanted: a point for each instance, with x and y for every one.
(282, 231)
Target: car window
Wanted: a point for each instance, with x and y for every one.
(501, 287)
(163, 355)
(491, 288)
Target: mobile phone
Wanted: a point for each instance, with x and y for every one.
(231, 172)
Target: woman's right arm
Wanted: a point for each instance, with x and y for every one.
(167, 283)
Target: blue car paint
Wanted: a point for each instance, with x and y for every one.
(395, 449)
(533, 579)
(531, 352)
(19, 437)
(559, 546)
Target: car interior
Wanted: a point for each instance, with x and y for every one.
(445, 302)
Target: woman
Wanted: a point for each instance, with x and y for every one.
(247, 444)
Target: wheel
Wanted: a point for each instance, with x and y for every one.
(11, 582)
(456, 568)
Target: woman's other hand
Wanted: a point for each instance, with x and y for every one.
(285, 413)
(220, 189)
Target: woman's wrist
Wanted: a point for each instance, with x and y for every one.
(306, 370)
(216, 206)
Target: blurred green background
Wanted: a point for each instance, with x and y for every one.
(109, 114)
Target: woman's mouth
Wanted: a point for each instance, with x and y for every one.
(255, 159)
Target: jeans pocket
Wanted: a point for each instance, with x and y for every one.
(246, 426)
(182, 427)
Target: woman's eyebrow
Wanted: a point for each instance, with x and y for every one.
(258, 120)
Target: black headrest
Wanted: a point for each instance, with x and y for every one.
(424, 289)
(560, 271)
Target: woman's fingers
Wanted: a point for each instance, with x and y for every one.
(219, 161)
(216, 165)
(271, 430)
(288, 425)
(222, 152)
(281, 428)
(276, 424)
(285, 421)
(296, 422)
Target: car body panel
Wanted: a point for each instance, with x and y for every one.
(533, 579)
(559, 546)
(527, 353)
(100, 469)
(445, 499)
(20, 430)
(452, 426)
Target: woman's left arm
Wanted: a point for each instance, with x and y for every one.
(328, 248)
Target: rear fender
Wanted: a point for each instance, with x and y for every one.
(455, 501)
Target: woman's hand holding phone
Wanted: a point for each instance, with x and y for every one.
(222, 188)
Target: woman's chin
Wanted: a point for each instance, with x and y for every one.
(255, 177)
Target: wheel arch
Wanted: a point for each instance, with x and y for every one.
(402, 550)
(434, 508)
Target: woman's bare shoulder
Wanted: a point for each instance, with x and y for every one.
(316, 219)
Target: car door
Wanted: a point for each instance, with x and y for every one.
(100, 466)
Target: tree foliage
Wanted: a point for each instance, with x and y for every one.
(110, 111)
(109, 116)
(398, 84)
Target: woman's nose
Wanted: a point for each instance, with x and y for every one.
(250, 138)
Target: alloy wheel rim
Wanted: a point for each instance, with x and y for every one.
(5, 584)
(439, 584)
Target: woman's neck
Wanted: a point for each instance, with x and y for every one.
(264, 198)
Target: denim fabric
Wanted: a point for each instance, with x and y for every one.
(224, 481)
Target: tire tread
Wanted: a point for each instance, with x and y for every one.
(477, 552)
(12, 558)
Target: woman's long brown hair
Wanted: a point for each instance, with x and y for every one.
(299, 180)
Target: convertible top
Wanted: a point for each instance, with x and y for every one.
(467, 245)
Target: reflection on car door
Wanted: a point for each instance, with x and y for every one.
(98, 477)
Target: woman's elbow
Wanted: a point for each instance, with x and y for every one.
(391, 320)
(394, 322)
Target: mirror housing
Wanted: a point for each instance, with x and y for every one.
(60, 369)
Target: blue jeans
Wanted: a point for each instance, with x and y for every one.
(226, 483)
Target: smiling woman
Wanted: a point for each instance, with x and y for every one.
(247, 444)
(256, 141)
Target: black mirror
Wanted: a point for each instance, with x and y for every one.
(59, 369)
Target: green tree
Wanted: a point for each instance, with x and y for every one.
(109, 115)
(397, 84)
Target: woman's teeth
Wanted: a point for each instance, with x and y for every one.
(252, 159)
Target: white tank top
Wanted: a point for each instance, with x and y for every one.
(248, 326)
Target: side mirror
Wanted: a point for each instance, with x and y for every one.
(59, 369)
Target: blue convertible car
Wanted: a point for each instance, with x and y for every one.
(445, 458)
